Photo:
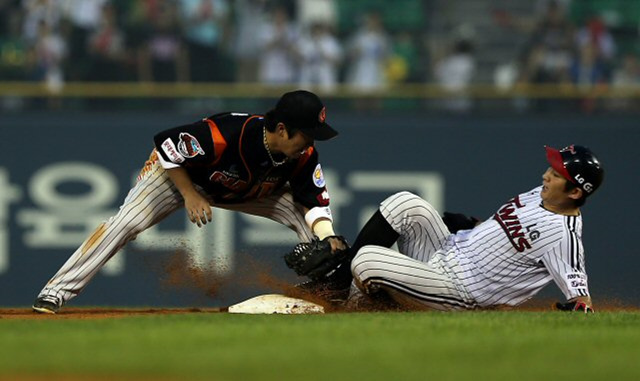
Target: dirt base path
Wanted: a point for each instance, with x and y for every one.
(98, 313)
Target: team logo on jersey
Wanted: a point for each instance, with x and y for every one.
(509, 222)
(318, 177)
(533, 234)
(189, 146)
(171, 151)
(576, 281)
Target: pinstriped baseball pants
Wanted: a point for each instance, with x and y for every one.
(152, 199)
(424, 271)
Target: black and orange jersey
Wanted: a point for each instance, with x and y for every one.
(225, 154)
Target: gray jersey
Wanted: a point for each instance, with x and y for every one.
(504, 261)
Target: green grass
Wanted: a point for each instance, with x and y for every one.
(363, 346)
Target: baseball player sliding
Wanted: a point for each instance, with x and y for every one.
(260, 165)
(456, 262)
(531, 240)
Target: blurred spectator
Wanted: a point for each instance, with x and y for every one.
(37, 12)
(311, 12)
(249, 22)
(626, 76)
(369, 48)
(138, 19)
(592, 64)
(205, 23)
(85, 16)
(164, 57)
(454, 73)
(403, 63)
(588, 68)
(596, 34)
(49, 52)
(14, 52)
(320, 55)
(277, 43)
(551, 48)
(106, 53)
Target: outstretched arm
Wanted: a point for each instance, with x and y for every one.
(322, 227)
(198, 208)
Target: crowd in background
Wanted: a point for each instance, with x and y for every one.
(271, 42)
(287, 41)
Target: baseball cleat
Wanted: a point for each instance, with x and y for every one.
(46, 305)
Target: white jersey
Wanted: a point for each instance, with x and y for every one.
(503, 261)
(508, 258)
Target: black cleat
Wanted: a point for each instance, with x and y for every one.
(46, 305)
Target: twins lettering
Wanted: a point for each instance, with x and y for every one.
(511, 225)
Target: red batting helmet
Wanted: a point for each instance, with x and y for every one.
(578, 165)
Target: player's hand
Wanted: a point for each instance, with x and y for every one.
(578, 305)
(198, 209)
(337, 244)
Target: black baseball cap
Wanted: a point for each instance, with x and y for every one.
(303, 110)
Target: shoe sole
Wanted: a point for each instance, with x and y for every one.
(43, 310)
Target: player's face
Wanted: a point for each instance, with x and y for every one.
(553, 189)
(296, 144)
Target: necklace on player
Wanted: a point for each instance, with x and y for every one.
(266, 145)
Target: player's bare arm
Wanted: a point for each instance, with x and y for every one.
(197, 207)
(323, 228)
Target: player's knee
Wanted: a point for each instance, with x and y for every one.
(407, 200)
(404, 196)
(406, 206)
(363, 267)
(362, 262)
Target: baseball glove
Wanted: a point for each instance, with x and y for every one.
(574, 306)
(315, 259)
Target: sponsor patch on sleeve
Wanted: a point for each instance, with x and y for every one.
(189, 146)
(318, 177)
(170, 150)
(323, 198)
(576, 281)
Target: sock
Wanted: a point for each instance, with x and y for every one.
(376, 231)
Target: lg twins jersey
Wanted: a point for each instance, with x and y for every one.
(511, 256)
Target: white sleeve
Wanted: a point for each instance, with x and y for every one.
(167, 164)
(571, 279)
